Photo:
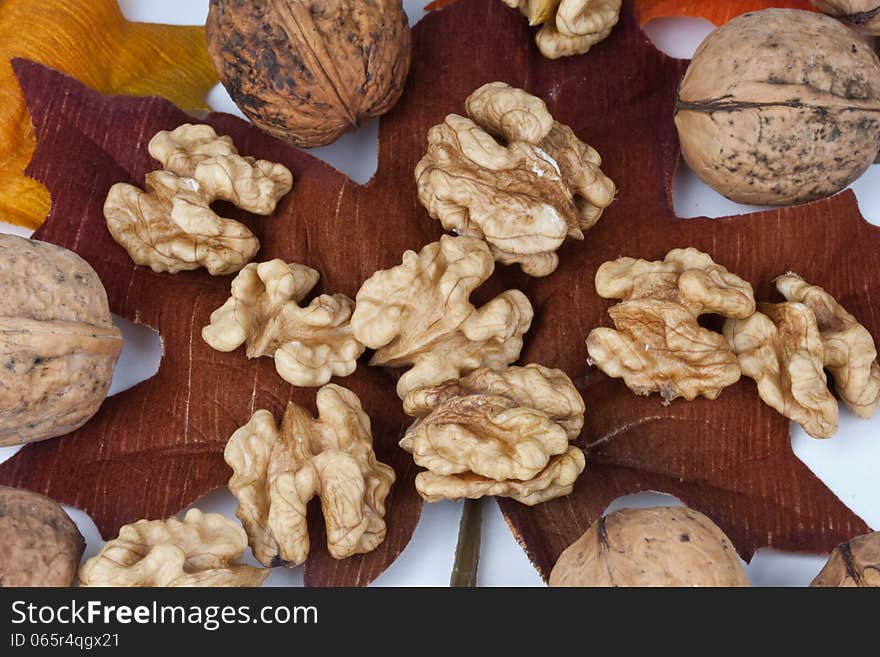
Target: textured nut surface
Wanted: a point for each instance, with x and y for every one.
(511, 175)
(58, 345)
(662, 546)
(863, 15)
(570, 27)
(854, 563)
(503, 433)
(658, 344)
(849, 350)
(780, 107)
(171, 227)
(41, 545)
(781, 349)
(203, 549)
(309, 344)
(419, 313)
(277, 471)
(309, 70)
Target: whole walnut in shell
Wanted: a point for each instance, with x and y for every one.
(308, 71)
(58, 345)
(661, 546)
(854, 563)
(41, 545)
(863, 15)
(780, 107)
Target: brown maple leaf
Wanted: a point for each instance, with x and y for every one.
(155, 448)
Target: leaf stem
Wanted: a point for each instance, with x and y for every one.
(467, 552)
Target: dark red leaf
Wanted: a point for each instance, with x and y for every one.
(154, 449)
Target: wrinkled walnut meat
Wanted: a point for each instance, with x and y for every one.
(786, 347)
(419, 313)
(277, 471)
(58, 344)
(309, 344)
(41, 544)
(203, 549)
(503, 433)
(662, 546)
(863, 15)
(850, 353)
(659, 345)
(855, 563)
(570, 27)
(513, 176)
(171, 227)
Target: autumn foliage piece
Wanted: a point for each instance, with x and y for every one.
(715, 11)
(94, 43)
(731, 459)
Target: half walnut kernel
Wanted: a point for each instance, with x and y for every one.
(203, 549)
(310, 344)
(171, 227)
(277, 471)
(788, 346)
(505, 433)
(658, 344)
(419, 314)
(512, 176)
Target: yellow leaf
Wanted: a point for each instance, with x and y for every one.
(92, 41)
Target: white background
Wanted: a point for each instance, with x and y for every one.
(848, 463)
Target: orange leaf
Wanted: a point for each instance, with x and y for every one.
(715, 11)
(94, 43)
(438, 4)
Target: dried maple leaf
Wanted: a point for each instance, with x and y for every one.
(715, 11)
(93, 42)
(730, 458)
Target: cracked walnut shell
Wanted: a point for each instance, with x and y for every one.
(276, 472)
(661, 546)
(780, 107)
(855, 563)
(419, 313)
(309, 344)
(171, 227)
(863, 15)
(58, 344)
(203, 549)
(504, 433)
(658, 344)
(512, 176)
(569, 27)
(787, 347)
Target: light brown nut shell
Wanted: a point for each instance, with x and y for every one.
(203, 549)
(855, 563)
(780, 107)
(309, 70)
(863, 15)
(277, 471)
(310, 344)
(662, 546)
(41, 545)
(58, 345)
(419, 314)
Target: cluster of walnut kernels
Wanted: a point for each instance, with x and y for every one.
(514, 184)
(659, 346)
